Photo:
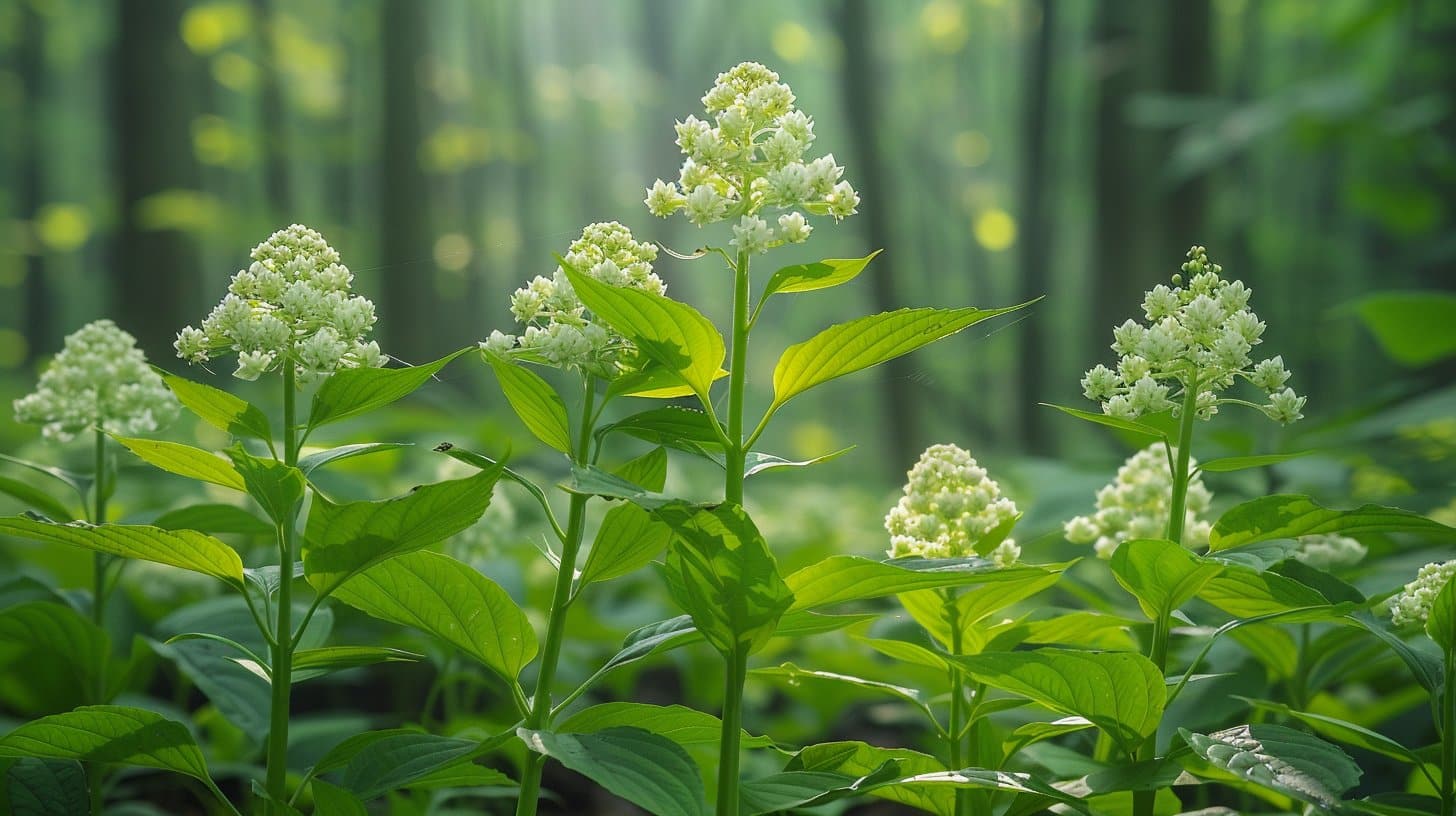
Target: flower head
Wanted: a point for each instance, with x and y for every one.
(293, 303)
(1413, 604)
(100, 379)
(559, 330)
(1198, 336)
(1329, 551)
(751, 156)
(951, 509)
(1136, 505)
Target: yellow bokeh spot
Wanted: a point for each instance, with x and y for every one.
(234, 71)
(12, 348)
(217, 142)
(453, 251)
(971, 148)
(454, 147)
(209, 27)
(178, 209)
(63, 227)
(792, 41)
(995, 229)
(811, 439)
(944, 25)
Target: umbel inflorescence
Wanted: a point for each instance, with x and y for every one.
(294, 303)
(559, 331)
(1196, 337)
(100, 379)
(752, 157)
(1136, 504)
(952, 509)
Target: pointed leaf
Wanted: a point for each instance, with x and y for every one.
(46, 787)
(187, 549)
(220, 409)
(357, 391)
(78, 482)
(36, 499)
(1230, 464)
(534, 401)
(813, 276)
(1291, 516)
(647, 770)
(1342, 730)
(1413, 328)
(185, 460)
(276, 487)
(1116, 423)
(55, 643)
(1245, 593)
(628, 539)
(791, 790)
(590, 480)
(648, 470)
(671, 425)
(1279, 759)
(335, 801)
(111, 735)
(308, 464)
(1162, 575)
(843, 578)
(685, 726)
(213, 519)
(795, 676)
(1441, 622)
(311, 663)
(378, 762)
(755, 462)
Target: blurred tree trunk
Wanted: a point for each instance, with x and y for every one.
(860, 87)
(407, 273)
(155, 291)
(1037, 233)
(272, 119)
(41, 333)
(1187, 74)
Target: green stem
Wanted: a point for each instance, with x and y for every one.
(735, 676)
(99, 564)
(540, 714)
(1448, 736)
(283, 643)
(959, 717)
(737, 382)
(1143, 801)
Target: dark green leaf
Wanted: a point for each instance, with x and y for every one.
(589, 480)
(670, 425)
(1291, 516)
(1342, 730)
(356, 391)
(1245, 593)
(685, 726)
(378, 762)
(1441, 623)
(46, 787)
(213, 519)
(55, 644)
(36, 499)
(335, 801)
(311, 663)
(647, 770)
(798, 789)
(1279, 759)
(112, 735)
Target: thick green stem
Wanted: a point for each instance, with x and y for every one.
(737, 382)
(735, 676)
(540, 714)
(283, 642)
(1448, 736)
(99, 563)
(959, 719)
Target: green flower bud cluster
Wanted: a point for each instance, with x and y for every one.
(100, 379)
(753, 156)
(1413, 604)
(293, 303)
(950, 507)
(1195, 337)
(560, 331)
(1136, 505)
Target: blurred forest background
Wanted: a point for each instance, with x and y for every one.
(1004, 149)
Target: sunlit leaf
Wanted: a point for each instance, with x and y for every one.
(213, 519)
(1291, 516)
(1162, 575)
(1230, 464)
(1117, 423)
(813, 276)
(185, 460)
(187, 549)
(220, 409)
(843, 578)
(356, 391)
(111, 735)
(533, 399)
(628, 539)
(313, 461)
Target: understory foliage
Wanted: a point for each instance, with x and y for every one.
(1200, 661)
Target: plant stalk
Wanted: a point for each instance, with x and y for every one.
(958, 713)
(283, 642)
(734, 678)
(540, 714)
(1448, 736)
(99, 563)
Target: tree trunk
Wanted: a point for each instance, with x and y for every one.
(1037, 232)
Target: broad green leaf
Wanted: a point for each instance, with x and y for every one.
(1414, 328)
(1337, 729)
(220, 409)
(377, 762)
(335, 801)
(929, 608)
(356, 391)
(590, 480)
(859, 344)
(628, 539)
(1245, 593)
(450, 600)
(461, 776)
(810, 277)
(1122, 693)
(1426, 668)
(720, 571)
(187, 549)
(1162, 575)
(791, 790)
(1230, 464)
(111, 735)
(311, 663)
(794, 676)
(1259, 556)
(843, 578)
(674, 335)
(45, 787)
(671, 425)
(685, 726)
(533, 399)
(343, 540)
(36, 499)
(906, 652)
(650, 380)
(213, 519)
(1116, 423)
(80, 483)
(1291, 516)
(1036, 731)
(185, 460)
(313, 461)
(1092, 630)
(648, 470)
(755, 463)
(647, 770)
(1279, 759)
(276, 487)
(1441, 623)
(52, 645)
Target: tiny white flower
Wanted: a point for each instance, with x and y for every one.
(1413, 604)
(793, 228)
(752, 234)
(1137, 503)
(949, 507)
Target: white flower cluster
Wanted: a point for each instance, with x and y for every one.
(559, 330)
(950, 506)
(1329, 551)
(100, 379)
(1413, 604)
(1136, 505)
(752, 157)
(1198, 337)
(292, 303)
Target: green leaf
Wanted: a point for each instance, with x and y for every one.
(720, 571)
(220, 409)
(1245, 593)
(1162, 575)
(685, 726)
(928, 607)
(844, 578)
(1229, 464)
(1279, 759)
(1426, 668)
(187, 549)
(213, 519)
(311, 663)
(1127, 425)
(185, 460)
(343, 540)
(308, 464)
(276, 487)
(1342, 730)
(36, 499)
(377, 762)
(111, 735)
(1413, 328)
(1291, 516)
(859, 344)
(46, 787)
(80, 483)
(357, 391)
(450, 600)
(1441, 623)
(335, 801)
(1122, 693)
(590, 480)
(674, 335)
(671, 425)
(755, 463)
(651, 380)
(814, 276)
(44, 632)
(1036, 731)
(533, 399)
(647, 770)
(648, 470)
(794, 676)
(791, 790)
(628, 539)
